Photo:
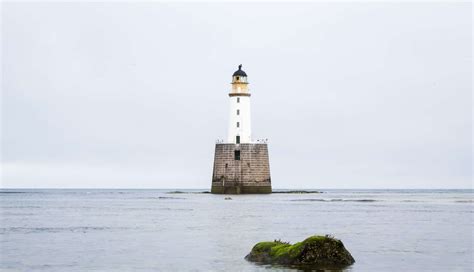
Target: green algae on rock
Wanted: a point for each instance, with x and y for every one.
(314, 251)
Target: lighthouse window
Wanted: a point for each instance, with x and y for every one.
(238, 112)
(238, 99)
(238, 124)
(237, 155)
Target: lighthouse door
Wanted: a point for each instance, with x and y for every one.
(237, 139)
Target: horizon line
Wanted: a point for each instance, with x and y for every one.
(207, 189)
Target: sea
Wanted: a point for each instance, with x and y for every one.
(191, 230)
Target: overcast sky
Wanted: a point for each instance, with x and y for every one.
(125, 95)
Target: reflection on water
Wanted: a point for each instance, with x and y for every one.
(150, 230)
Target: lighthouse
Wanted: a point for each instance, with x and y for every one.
(239, 114)
(241, 166)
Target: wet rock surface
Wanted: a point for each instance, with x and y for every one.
(317, 252)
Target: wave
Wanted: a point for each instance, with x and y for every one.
(55, 229)
(175, 209)
(170, 197)
(21, 207)
(159, 197)
(465, 201)
(335, 200)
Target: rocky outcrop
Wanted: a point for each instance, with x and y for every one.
(314, 252)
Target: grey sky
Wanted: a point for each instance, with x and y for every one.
(350, 95)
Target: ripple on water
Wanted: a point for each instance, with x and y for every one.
(26, 230)
(334, 200)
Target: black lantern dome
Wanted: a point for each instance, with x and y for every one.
(240, 72)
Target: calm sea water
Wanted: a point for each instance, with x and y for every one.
(152, 230)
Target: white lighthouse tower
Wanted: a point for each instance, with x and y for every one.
(239, 117)
(240, 165)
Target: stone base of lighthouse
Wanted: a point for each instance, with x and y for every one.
(241, 169)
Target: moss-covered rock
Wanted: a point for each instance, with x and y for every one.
(315, 251)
